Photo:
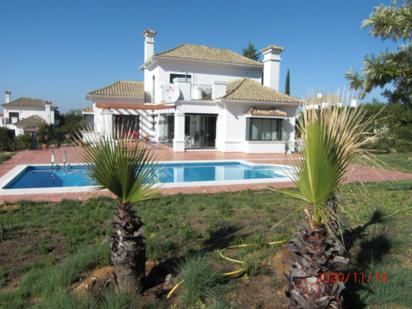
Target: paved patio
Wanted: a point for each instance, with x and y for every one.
(356, 173)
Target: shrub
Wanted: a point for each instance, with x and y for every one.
(45, 133)
(6, 139)
(200, 282)
(24, 141)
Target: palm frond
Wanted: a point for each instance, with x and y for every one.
(333, 138)
(123, 166)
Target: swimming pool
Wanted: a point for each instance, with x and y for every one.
(168, 174)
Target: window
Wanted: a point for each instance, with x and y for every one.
(263, 129)
(173, 76)
(14, 117)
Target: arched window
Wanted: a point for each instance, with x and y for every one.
(153, 88)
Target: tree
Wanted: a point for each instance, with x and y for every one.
(332, 138)
(251, 52)
(394, 127)
(126, 169)
(393, 69)
(45, 133)
(71, 122)
(287, 83)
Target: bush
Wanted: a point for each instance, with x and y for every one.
(70, 123)
(45, 133)
(200, 282)
(23, 141)
(6, 139)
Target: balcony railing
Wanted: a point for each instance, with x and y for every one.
(200, 92)
(188, 92)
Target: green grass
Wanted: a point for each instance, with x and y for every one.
(396, 161)
(47, 247)
(200, 282)
(5, 155)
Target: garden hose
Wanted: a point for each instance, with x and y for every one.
(233, 273)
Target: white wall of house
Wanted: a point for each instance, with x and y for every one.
(231, 126)
(46, 113)
(202, 74)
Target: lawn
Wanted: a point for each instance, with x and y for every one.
(397, 161)
(5, 155)
(45, 248)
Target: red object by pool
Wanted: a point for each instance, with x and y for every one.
(131, 134)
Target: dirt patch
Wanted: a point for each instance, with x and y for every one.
(261, 291)
(94, 283)
(98, 280)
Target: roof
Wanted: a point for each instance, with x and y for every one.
(27, 102)
(266, 112)
(133, 106)
(121, 88)
(323, 98)
(32, 121)
(248, 90)
(273, 47)
(149, 32)
(87, 110)
(202, 53)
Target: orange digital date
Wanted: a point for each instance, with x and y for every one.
(356, 277)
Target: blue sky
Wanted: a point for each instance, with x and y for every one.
(60, 50)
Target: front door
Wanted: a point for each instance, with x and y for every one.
(200, 130)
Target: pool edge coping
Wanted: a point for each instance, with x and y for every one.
(18, 169)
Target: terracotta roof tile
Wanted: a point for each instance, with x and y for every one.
(26, 102)
(248, 90)
(133, 106)
(204, 53)
(88, 109)
(32, 121)
(121, 88)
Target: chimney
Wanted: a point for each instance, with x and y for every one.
(271, 66)
(7, 96)
(148, 43)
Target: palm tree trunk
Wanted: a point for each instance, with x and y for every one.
(315, 251)
(127, 253)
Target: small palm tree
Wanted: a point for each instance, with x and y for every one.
(333, 138)
(126, 169)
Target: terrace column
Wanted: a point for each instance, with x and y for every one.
(107, 117)
(179, 139)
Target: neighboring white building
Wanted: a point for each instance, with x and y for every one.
(26, 115)
(197, 97)
(324, 100)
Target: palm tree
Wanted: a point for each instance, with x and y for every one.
(126, 169)
(333, 138)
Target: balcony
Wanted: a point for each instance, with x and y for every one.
(200, 92)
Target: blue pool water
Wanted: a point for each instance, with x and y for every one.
(77, 175)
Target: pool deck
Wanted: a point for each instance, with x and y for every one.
(356, 173)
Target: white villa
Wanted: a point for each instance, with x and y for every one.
(195, 97)
(26, 115)
(324, 100)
